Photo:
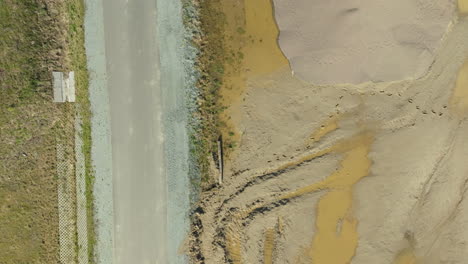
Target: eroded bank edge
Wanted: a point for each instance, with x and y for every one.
(204, 69)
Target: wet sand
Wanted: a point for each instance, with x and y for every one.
(359, 169)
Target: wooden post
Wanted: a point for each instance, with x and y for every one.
(220, 160)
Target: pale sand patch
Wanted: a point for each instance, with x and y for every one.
(356, 41)
(459, 100)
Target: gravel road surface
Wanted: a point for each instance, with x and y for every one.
(137, 142)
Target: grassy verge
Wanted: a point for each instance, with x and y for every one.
(37, 37)
(76, 11)
(32, 44)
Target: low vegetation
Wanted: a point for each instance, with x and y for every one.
(76, 12)
(211, 62)
(36, 38)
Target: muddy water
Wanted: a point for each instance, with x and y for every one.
(336, 228)
(262, 54)
(329, 126)
(463, 7)
(251, 42)
(234, 80)
(405, 257)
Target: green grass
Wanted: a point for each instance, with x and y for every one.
(240, 30)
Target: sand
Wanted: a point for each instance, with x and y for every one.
(375, 171)
(329, 42)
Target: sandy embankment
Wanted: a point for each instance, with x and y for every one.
(331, 42)
(376, 171)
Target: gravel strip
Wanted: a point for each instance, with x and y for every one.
(101, 150)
